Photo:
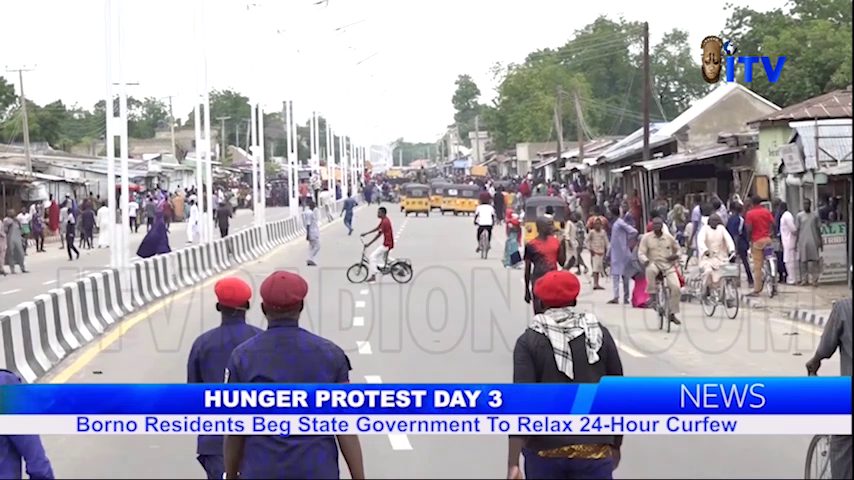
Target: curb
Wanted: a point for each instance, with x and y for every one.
(37, 335)
(808, 316)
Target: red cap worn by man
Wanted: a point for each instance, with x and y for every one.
(232, 292)
(283, 291)
(557, 289)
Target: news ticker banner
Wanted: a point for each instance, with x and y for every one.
(616, 405)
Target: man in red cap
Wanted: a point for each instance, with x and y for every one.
(210, 354)
(288, 354)
(564, 345)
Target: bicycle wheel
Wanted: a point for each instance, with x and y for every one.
(818, 458)
(357, 273)
(731, 298)
(484, 245)
(661, 306)
(708, 302)
(400, 272)
(665, 310)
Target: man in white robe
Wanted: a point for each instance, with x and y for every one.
(789, 239)
(104, 225)
(194, 222)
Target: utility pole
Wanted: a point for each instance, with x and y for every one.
(172, 128)
(26, 119)
(477, 138)
(579, 121)
(558, 123)
(222, 135)
(237, 134)
(646, 91)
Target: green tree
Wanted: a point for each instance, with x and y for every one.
(675, 72)
(7, 97)
(814, 35)
(147, 116)
(466, 106)
(409, 152)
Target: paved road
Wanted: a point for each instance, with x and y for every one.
(456, 322)
(52, 268)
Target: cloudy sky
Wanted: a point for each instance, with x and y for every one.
(378, 69)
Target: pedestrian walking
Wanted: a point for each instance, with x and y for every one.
(150, 210)
(837, 336)
(17, 450)
(223, 217)
(789, 241)
(512, 257)
(542, 254)
(564, 344)
(312, 232)
(133, 210)
(14, 242)
(622, 235)
(24, 221)
(194, 225)
(270, 357)
(209, 357)
(37, 225)
(104, 225)
(327, 203)
(809, 244)
(156, 241)
(70, 230)
(88, 219)
(597, 243)
(347, 213)
(53, 224)
(738, 232)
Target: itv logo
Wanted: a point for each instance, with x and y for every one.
(714, 49)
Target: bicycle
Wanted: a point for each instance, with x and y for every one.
(663, 302)
(769, 271)
(400, 269)
(483, 244)
(818, 452)
(726, 293)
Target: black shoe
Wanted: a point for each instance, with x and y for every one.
(675, 320)
(613, 301)
(310, 263)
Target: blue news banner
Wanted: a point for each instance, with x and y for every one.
(615, 406)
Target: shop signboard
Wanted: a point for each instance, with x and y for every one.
(834, 256)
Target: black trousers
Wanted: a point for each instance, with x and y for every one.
(484, 228)
(69, 242)
(223, 231)
(134, 227)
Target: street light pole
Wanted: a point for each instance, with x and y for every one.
(222, 136)
(26, 126)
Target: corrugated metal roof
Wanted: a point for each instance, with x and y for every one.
(834, 140)
(836, 104)
(683, 158)
(702, 105)
(843, 168)
(37, 176)
(634, 143)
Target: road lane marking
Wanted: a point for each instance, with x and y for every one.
(360, 304)
(399, 441)
(363, 291)
(9, 292)
(364, 347)
(631, 351)
(359, 321)
(49, 282)
(94, 348)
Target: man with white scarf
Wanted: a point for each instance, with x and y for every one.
(564, 345)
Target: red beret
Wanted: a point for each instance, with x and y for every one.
(283, 290)
(557, 288)
(232, 292)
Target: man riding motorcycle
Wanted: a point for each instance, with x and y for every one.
(659, 252)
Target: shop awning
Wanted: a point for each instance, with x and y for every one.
(544, 163)
(844, 168)
(834, 140)
(683, 158)
(23, 175)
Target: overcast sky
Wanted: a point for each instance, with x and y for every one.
(389, 74)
